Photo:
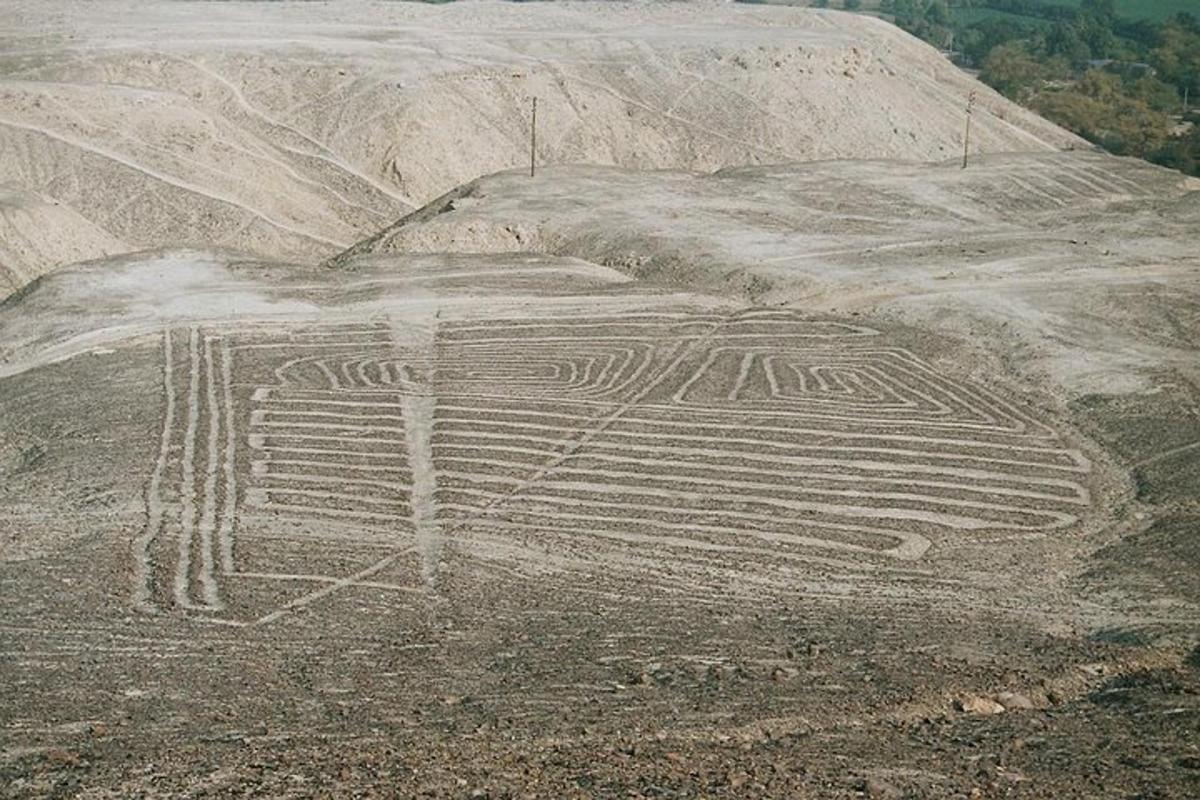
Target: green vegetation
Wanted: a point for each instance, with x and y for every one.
(1156, 10)
(1153, 10)
(1124, 82)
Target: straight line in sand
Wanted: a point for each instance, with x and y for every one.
(341, 583)
(142, 590)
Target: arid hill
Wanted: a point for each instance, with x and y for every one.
(38, 234)
(1066, 257)
(296, 133)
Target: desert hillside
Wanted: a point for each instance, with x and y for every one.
(1066, 256)
(38, 234)
(301, 132)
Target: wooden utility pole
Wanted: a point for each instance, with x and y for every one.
(533, 140)
(967, 137)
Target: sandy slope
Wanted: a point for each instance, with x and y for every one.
(1063, 259)
(297, 134)
(38, 234)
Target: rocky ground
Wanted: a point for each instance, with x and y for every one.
(481, 524)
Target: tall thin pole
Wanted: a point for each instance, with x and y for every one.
(533, 140)
(967, 136)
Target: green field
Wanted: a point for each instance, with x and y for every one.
(969, 16)
(1156, 10)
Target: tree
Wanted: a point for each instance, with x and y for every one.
(1177, 57)
(1097, 33)
(1012, 70)
(1101, 9)
(1100, 85)
(1065, 40)
(1156, 94)
(906, 12)
(978, 39)
(1187, 22)
(1181, 153)
(926, 19)
(1072, 110)
(1044, 61)
(1099, 110)
(937, 13)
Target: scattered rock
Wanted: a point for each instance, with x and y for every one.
(60, 757)
(1009, 776)
(783, 674)
(1014, 702)
(973, 704)
(880, 789)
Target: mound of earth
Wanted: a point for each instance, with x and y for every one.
(295, 134)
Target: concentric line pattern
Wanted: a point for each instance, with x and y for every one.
(327, 441)
(1057, 185)
(335, 428)
(756, 430)
(759, 434)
